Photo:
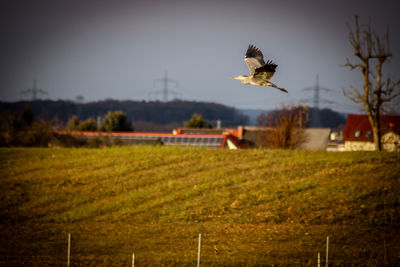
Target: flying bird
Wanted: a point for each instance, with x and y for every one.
(260, 72)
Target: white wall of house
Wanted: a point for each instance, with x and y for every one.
(390, 142)
(358, 146)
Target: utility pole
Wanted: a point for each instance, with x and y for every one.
(316, 100)
(165, 91)
(34, 91)
(79, 103)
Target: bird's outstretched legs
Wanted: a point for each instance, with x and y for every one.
(279, 88)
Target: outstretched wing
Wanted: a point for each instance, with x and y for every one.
(254, 58)
(266, 71)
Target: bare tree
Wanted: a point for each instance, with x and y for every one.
(373, 51)
(287, 127)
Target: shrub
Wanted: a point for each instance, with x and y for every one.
(116, 121)
(197, 121)
(24, 131)
(73, 123)
(88, 125)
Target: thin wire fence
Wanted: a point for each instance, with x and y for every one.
(69, 251)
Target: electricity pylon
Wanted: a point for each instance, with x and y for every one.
(165, 91)
(316, 100)
(34, 91)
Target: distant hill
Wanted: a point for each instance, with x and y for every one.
(155, 112)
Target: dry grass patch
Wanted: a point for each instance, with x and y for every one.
(253, 207)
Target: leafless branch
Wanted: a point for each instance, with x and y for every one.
(390, 88)
(390, 98)
(350, 96)
(387, 41)
(352, 66)
(368, 40)
(356, 92)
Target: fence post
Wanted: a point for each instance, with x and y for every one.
(69, 250)
(327, 250)
(319, 259)
(133, 259)
(199, 251)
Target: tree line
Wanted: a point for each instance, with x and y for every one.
(155, 112)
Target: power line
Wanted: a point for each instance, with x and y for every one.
(316, 100)
(165, 91)
(34, 91)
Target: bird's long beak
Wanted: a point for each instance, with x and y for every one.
(235, 78)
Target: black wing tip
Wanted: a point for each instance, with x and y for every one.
(270, 62)
(253, 51)
(270, 66)
(252, 47)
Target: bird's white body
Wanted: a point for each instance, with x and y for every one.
(253, 81)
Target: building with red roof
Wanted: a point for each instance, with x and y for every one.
(211, 138)
(358, 133)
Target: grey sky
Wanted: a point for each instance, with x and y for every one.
(116, 49)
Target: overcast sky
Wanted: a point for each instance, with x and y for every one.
(117, 49)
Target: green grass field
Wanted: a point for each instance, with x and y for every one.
(252, 207)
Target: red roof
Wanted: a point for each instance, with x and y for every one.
(358, 127)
